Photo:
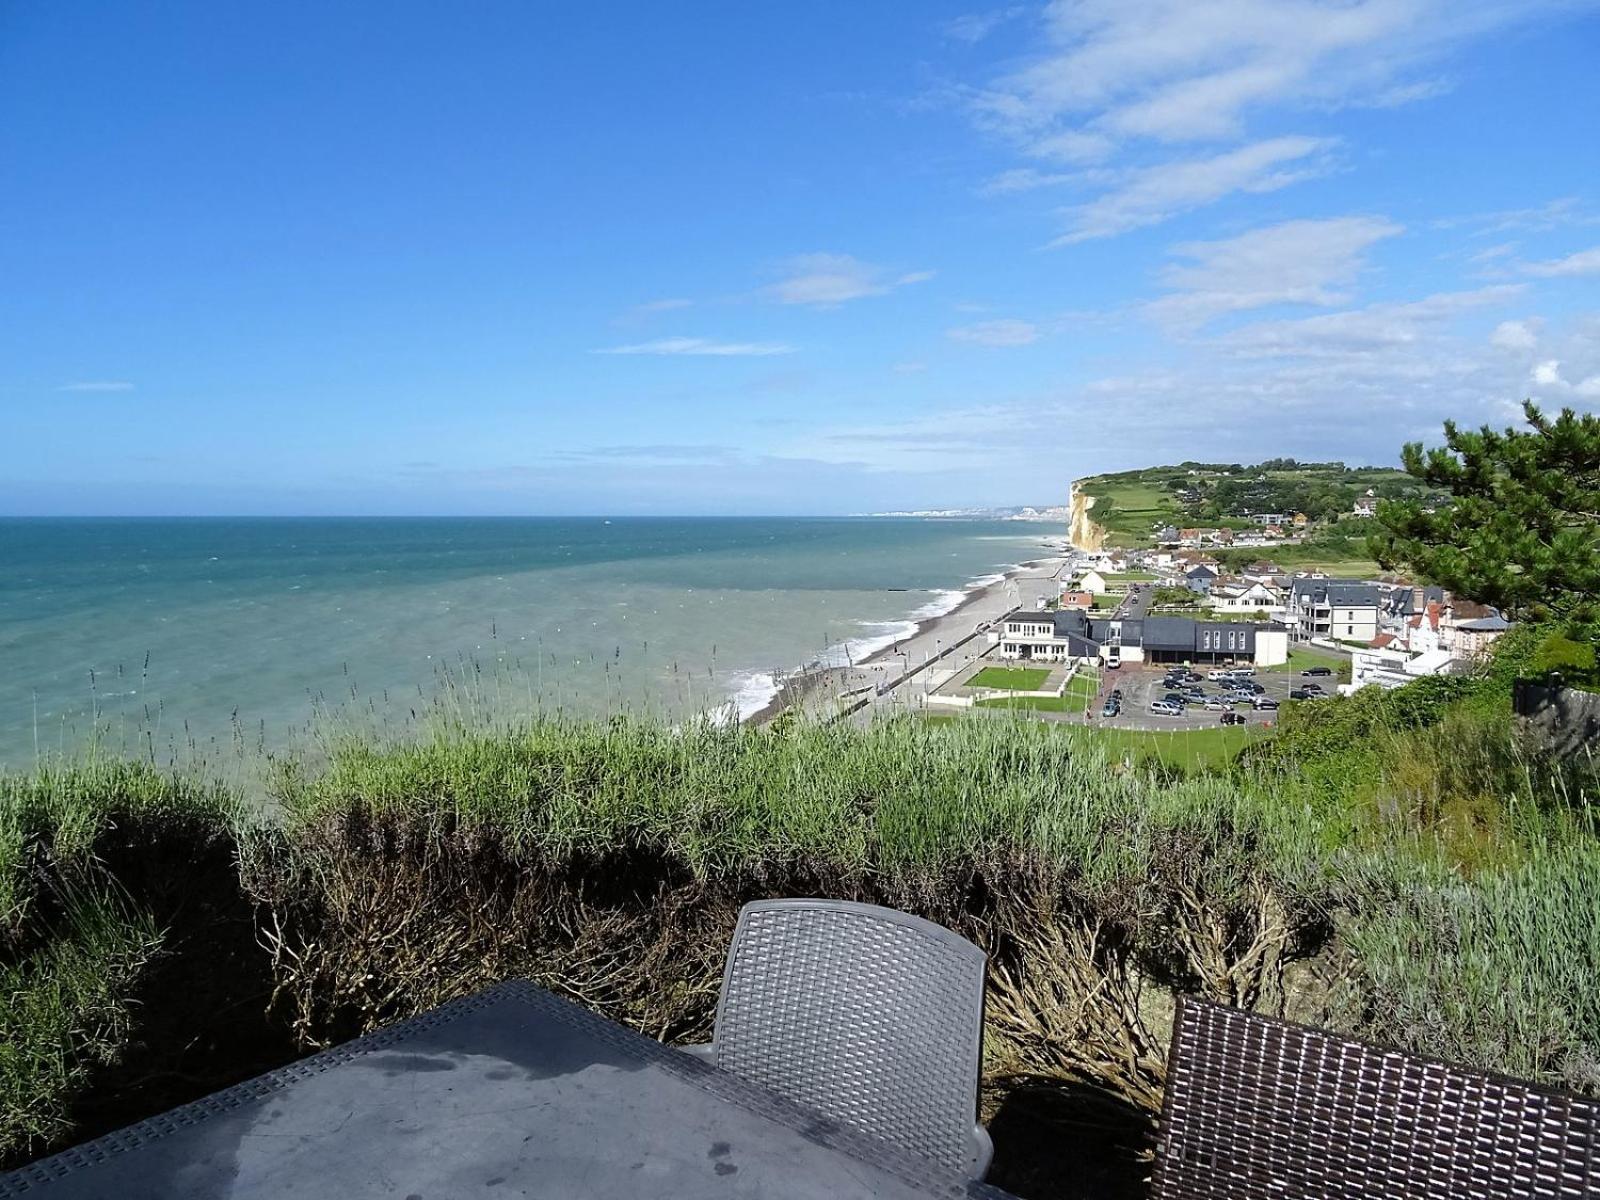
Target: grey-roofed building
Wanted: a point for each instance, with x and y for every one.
(1047, 636)
(1072, 634)
(1334, 609)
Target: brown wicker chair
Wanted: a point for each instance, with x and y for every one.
(1262, 1108)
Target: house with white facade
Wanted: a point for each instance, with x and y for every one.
(1244, 595)
(1365, 506)
(1333, 609)
(1093, 582)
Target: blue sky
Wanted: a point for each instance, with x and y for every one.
(514, 258)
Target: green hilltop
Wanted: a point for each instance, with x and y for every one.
(1131, 505)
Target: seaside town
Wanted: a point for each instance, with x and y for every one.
(1199, 626)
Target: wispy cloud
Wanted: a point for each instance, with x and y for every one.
(1292, 262)
(974, 27)
(827, 280)
(1111, 80)
(702, 347)
(97, 385)
(1150, 195)
(1362, 331)
(1002, 333)
(667, 304)
(1560, 213)
(1584, 262)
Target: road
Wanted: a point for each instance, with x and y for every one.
(928, 658)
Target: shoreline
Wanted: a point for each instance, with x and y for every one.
(931, 634)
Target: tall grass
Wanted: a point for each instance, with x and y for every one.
(1414, 874)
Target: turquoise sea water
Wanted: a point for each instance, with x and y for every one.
(185, 637)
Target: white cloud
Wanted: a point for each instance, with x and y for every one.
(974, 27)
(1023, 179)
(1149, 195)
(1514, 335)
(702, 346)
(1584, 262)
(1114, 77)
(97, 385)
(1547, 373)
(996, 333)
(826, 280)
(1364, 332)
(1293, 262)
(669, 304)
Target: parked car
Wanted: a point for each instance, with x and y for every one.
(1221, 676)
(1116, 694)
(1165, 708)
(1110, 709)
(1299, 694)
(1256, 689)
(1193, 677)
(1263, 703)
(1317, 671)
(1177, 698)
(1244, 672)
(1217, 704)
(1194, 693)
(1232, 718)
(1314, 688)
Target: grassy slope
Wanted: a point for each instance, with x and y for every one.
(1139, 501)
(1441, 860)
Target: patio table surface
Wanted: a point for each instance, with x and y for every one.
(508, 1093)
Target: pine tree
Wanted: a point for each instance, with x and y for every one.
(1522, 528)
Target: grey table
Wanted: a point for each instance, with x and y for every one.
(508, 1093)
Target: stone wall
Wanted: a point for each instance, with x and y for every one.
(1569, 719)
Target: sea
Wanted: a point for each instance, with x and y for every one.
(193, 639)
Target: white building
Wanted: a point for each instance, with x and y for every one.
(1094, 583)
(1329, 608)
(1391, 668)
(1245, 595)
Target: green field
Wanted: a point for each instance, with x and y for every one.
(1012, 679)
(1128, 505)
(1187, 749)
(1080, 693)
(1300, 659)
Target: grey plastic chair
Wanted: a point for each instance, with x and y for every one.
(870, 1016)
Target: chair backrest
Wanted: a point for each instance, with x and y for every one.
(871, 1016)
(1257, 1107)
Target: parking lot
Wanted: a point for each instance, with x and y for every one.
(1142, 683)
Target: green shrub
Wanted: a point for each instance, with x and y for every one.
(1496, 971)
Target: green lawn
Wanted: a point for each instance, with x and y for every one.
(1300, 659)
(1080, 693)
(1189, 749)
(1132, 577)
(1068, 703)
(1014, 679)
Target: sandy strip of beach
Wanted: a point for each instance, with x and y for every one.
(1023, 586)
